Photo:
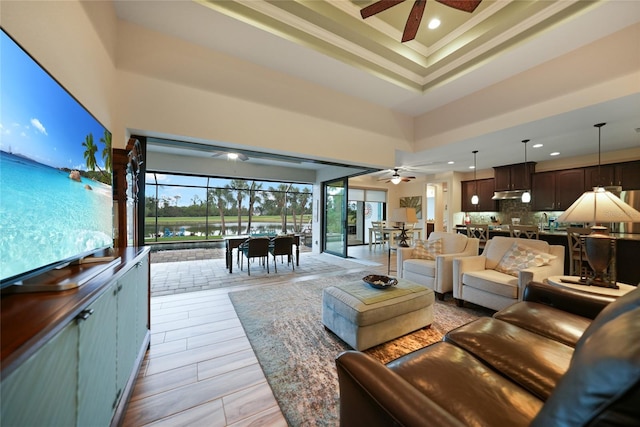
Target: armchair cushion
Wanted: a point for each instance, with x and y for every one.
(519, 257)
(500, 245)
(427, 250)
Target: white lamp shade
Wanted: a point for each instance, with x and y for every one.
(526, 197)
(396, 180)
(599, 206)
(475, 199)
(406, 215)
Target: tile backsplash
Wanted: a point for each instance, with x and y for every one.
(514, 209)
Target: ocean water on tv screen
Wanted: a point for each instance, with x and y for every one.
(47, 216)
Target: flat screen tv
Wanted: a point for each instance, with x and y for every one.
(56, 203)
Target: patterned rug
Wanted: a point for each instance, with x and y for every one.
(297, 354)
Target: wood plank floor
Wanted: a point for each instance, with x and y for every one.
(200, 369)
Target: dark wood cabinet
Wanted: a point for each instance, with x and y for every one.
(513, 177)
(628, 175)
(556, 190)
(569, 186)
(543, 191)
(485, 193)
(594, 176)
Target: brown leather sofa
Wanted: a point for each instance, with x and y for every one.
(558, 358)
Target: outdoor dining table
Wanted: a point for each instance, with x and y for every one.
(233, 242)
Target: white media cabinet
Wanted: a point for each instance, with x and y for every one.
(71, 357)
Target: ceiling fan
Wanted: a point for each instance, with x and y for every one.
(415, 16)
(396, 178)
(231, 155)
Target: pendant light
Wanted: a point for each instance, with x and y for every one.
(526, 196)
(475, 199)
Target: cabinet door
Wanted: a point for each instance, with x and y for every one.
(485, 192)
(596, 177)
(543, 191)
(467, 190)
(127, 334)
(142, 320)
(97, 361)
(628, 175)
(502, 177)
(42, 391)
(569, 186)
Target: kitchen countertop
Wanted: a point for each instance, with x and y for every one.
(559, 232)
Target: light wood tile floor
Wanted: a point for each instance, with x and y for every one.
(200, 369)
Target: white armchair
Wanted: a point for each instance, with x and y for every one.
(498, 277)
(436, 273)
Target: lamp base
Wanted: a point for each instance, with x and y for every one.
(403, 239)
(600, 249)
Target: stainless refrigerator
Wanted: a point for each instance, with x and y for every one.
(632, 198)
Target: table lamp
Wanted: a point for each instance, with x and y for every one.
(597, 207)
(404, 215)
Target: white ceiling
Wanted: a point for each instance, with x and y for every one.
(323, 43)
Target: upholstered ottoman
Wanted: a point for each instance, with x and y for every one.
(364, 317)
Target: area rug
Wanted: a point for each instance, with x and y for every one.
(297, 354)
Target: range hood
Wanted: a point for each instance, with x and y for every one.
(508, 195)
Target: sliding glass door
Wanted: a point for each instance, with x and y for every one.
(335, 223)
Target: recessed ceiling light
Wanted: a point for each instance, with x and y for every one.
(472, 167)
(555, 153)
(434, 23)
(537, 145)
(450, 162)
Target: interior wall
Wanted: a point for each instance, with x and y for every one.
(601, 71)
(176, 88)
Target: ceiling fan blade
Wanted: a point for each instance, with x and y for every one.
(413, 21)
(378, 7)
(464, 5)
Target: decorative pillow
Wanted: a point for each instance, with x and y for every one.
(427, 249)
(519, 257)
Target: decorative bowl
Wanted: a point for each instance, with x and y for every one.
(380, 282)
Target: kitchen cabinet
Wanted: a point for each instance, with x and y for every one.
(595, 176)
(556, 190)
(78, 368)
(485, 193)
(628, 175)
(513, 177)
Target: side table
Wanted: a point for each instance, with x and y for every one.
(571, 282)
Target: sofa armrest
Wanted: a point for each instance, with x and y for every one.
(373, 395)
(461, 266)
(401, 255)
(585, 304)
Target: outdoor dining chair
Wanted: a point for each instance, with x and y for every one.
(282, 245)
(254, 247)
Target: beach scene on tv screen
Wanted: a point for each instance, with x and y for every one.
(55, 170)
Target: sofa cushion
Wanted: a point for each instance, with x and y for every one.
(533, 361)
(425, 267)
(625, 303)
(492, 281)
(544, 320)
(499, 245)
(602, 385)
(465, 387)
(452, 243)
(520, 257)
(427, 249)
